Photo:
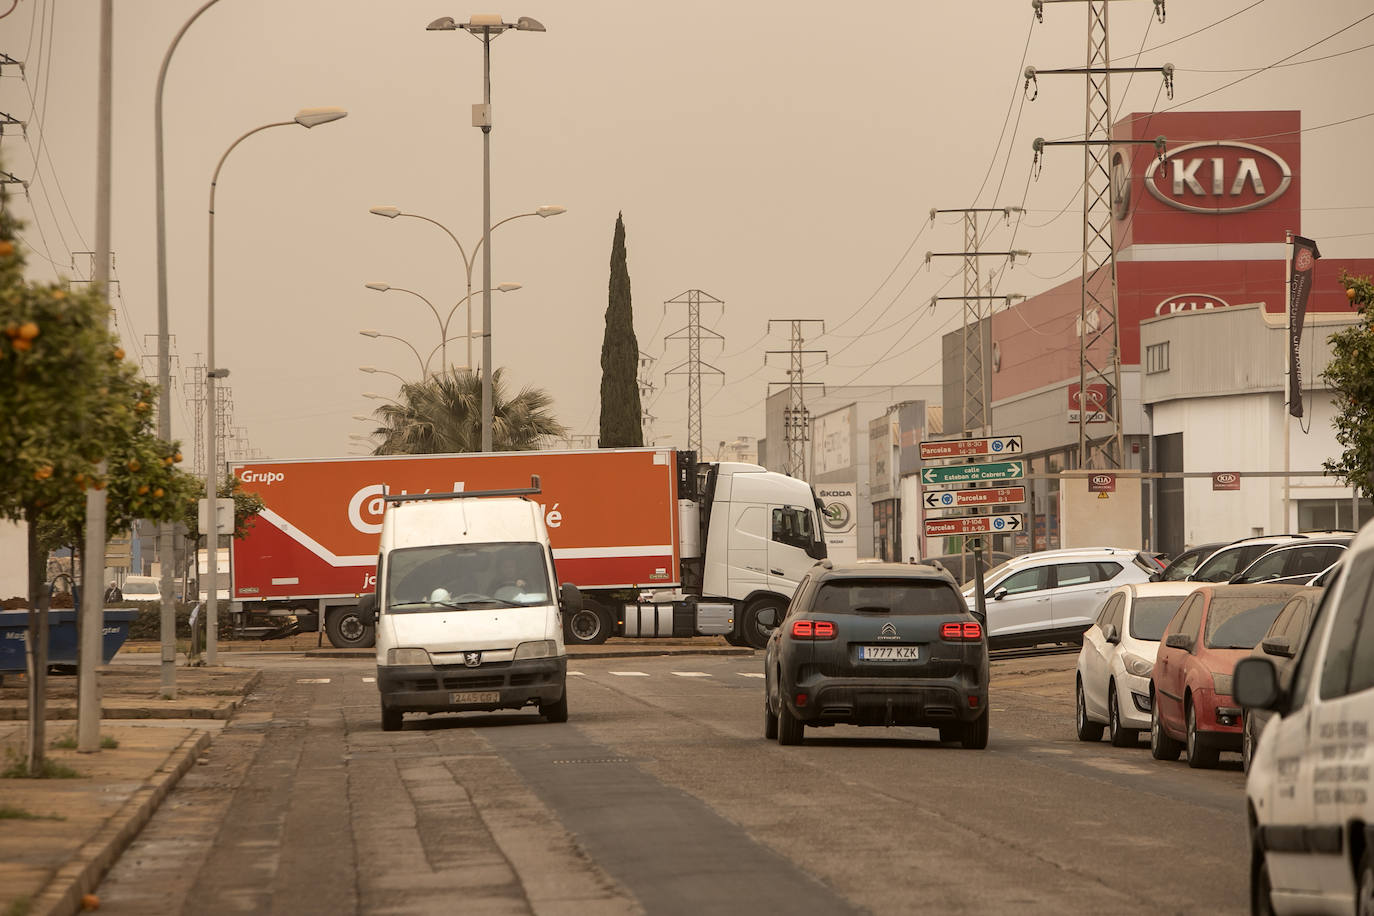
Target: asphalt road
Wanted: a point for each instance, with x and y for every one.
(661, 796)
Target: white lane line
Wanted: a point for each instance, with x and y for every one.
(688, 673)
(366, 680)
(570, 673)
(757, 674)
(629, 673)
(312, 680)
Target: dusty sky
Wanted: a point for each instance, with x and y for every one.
(779, 156)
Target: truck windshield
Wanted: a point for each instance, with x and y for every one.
(466, 577)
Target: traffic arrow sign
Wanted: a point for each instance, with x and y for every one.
(952, 474)
(962, 499)
(993, 446)
(974, 524)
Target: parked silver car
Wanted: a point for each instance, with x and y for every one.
(1054, 595)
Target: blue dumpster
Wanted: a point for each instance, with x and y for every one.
(14, 627)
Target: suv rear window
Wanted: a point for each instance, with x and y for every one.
(887, 596)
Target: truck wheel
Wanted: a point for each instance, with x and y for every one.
(558, 710)
(760, 620)
(587, 627)
(391, 719)
(347, 630)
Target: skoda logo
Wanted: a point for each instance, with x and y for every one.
(888, 632)
(836, 516)
(472, 659)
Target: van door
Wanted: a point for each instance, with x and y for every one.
(792, 540)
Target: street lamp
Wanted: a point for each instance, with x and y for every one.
(484, 27)
(392, 212)
(306, 117)
(443, 322)
(373, 370)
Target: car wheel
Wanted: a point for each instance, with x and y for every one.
(1199, 758)
(1247, 745)
(1162, 747)
(770, 720)
(557, 711)
(1261, 896)
(760, 620)
(391, 719)
(1087, 731)
(790, 728)
(975, 733)
(347, 630)
(1120, 737)
(587, 627)
(1364, 900)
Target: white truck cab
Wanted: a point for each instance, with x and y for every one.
(467, 607)
(1310, 790)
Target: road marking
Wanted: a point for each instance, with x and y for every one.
(629, 674)
(312, 680)
(691, 674)
(570, 673)
(366, 680)
(757, 674)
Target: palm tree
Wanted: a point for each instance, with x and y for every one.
(442, 414)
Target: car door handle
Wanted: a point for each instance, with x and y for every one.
(776, 572)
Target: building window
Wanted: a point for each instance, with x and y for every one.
(1157, 358)
(1332, 514)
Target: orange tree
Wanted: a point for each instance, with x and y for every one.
(1350, 376)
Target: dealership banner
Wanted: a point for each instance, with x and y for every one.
(839, 512)
(1302, 266)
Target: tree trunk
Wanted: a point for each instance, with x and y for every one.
(36, 654)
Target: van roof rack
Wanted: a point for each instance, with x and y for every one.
(531, 490)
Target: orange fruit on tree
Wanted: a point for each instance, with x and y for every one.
(28, 330)
(134, 465)
(21, 344)
(143, 488)
(6, 248)
(1350, 293)
(119, 353)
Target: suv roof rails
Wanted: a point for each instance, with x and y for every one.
(531, 490)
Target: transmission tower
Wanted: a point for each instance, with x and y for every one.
(796, 419)
(694, 367)
(1099, 332)
(194, 386)
(646, 391)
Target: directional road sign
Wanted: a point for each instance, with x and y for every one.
(953, 474)
(962, 499)
(971, 448)
(974, 524)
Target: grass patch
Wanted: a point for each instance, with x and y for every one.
(68, 743)
(11, 813)
(20, 906)
(17, 768)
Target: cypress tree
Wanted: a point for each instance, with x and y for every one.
(620, 407)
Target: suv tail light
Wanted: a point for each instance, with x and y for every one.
(955, 631)
(813, 629)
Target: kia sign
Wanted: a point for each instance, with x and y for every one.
(1226, 480)
(1190, 302)
(1095, 403)
(1219, 176)
(1102, 483)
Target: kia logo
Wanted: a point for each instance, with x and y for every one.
(1190, 302)
(1218, 176)
(1101, 480)
(1226, 478)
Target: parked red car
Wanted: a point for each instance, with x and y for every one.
(1190, 688)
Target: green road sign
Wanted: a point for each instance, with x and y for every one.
(955, 474)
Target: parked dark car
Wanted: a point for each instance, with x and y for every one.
(877, 644)
(1182, 566)
(1281, 644)
(1297, 562)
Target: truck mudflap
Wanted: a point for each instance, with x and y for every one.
(458, 688)
(679, 619)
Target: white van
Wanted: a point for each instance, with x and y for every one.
(1310, 791)
(467, 607)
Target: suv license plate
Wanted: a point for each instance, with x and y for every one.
(889, 653)
(476, 696)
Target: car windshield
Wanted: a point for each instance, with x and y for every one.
(1149, 616)
(887, 596)
(466, 577)
(139, 588)
(1240, 622)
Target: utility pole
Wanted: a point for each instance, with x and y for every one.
(1099, 332)
(796, 418)
(977, 401)
(645, 380)
(195, 394)
(693, 367)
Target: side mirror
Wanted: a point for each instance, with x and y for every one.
(1157, 577)
(1180, 641)
(1278, 646)
(367, 608)
(1255, 684)
(999, 594)
(569, 598)
(1110, 634)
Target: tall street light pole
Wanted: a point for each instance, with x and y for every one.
(306, 117)
(485, 27)
(444, 321)
(164, 368)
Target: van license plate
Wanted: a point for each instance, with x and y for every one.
(890, 653)
(476, 696)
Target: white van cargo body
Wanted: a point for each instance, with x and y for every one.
(468, 607)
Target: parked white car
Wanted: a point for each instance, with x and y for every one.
(1054, 595)
(1310, 792)
(1113, 688)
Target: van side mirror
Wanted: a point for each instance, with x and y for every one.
(1110, 634)
(367, 608)
(569, 598)
(1278, 646)
(1180, 641)
(1255, 684)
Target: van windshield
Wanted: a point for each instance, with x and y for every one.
(466, 577)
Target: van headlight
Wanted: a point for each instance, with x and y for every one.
(539, 648)
(1140, 667)
(407, 657)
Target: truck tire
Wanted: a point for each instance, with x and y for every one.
(760, 620)
(556, 711)
(587, 627)
(347, 630)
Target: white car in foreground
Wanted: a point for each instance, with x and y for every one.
(1113, 689)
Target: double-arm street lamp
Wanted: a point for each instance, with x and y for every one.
(443, 321)
(484, 28)
(306, 117)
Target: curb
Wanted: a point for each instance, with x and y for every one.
(648, 652)
(82, 875)
(224, 710)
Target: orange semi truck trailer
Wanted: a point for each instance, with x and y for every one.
(659, 544)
